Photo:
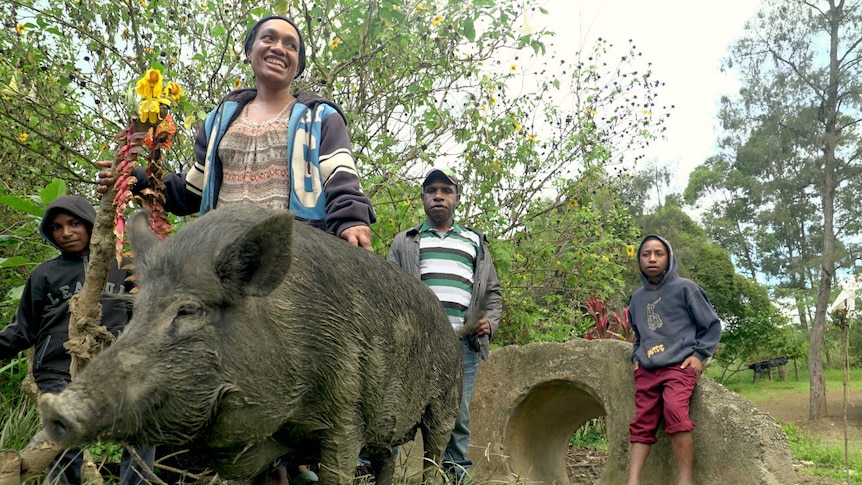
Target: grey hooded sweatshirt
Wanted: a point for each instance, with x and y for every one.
(672, 319)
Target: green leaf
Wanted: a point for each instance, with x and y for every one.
(56, 188)
(280, 7)
(14, 261)
(22, 205)
(468, 29)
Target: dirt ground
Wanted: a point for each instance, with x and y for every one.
(586, 466)
(793, 408)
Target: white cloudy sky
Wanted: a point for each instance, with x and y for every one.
(685, 40)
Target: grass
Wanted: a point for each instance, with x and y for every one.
(822, 457)
(764, 389)
(19, 425)
(591, 435)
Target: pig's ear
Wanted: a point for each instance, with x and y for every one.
(141, 236)
(255, 264)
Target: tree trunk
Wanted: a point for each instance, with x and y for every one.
(87, 335)
(803, 313)
(827, 194)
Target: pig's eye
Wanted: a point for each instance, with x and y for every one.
(189, 311)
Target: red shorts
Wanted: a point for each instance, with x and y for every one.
(664, 392)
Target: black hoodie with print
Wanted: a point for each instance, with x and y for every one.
(42, 318)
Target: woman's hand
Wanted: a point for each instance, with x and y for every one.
(358, 236)
(105, 178)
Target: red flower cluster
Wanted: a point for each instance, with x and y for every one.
(135, 141)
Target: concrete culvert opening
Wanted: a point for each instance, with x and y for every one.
(531, 399)
(541, 426)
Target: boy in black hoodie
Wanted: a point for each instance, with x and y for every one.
(676, 330)
(42, 318)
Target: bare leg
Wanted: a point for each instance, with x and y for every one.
(639, 454)
(278, 476)
(683, 451)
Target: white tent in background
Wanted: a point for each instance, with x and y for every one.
(847, 298)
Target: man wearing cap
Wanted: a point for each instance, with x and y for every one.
(455, 263)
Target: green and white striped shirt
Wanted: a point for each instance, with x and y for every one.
(447, 263)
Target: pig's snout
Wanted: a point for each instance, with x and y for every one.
(58, 426)
(56, 429)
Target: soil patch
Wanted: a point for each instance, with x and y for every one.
(585, 465)
(793, 408)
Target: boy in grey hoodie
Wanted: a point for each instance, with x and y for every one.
(676, 330)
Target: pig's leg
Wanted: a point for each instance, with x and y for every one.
(339, 450)
(436, 429)
(383, 463)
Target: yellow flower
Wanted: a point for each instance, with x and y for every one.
(143, 3)
(493, 100)
(517, 126)
(437, 20)
(531, 138)
(237, 83)
(174, 91)
(513, 68)
(149, 111)
(335, 43)
(189, 121)
(20, 28)
(150, 86)
(646, 112)
(421, 7)
(204, 5)
(592, 111)
(23, 137)
(630, 250)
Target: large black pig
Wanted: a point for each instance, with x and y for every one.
(255, 337)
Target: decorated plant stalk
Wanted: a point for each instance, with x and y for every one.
(146, 134)
(149, 131)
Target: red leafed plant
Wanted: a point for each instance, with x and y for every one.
(613, 327)
(148, 133)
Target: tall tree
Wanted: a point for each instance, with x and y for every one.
(445, 82)
(792, 149)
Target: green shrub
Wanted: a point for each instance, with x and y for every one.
(592, 434)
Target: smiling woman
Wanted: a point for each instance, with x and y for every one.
(242, 156)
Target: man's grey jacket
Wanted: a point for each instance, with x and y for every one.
(404, 252)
